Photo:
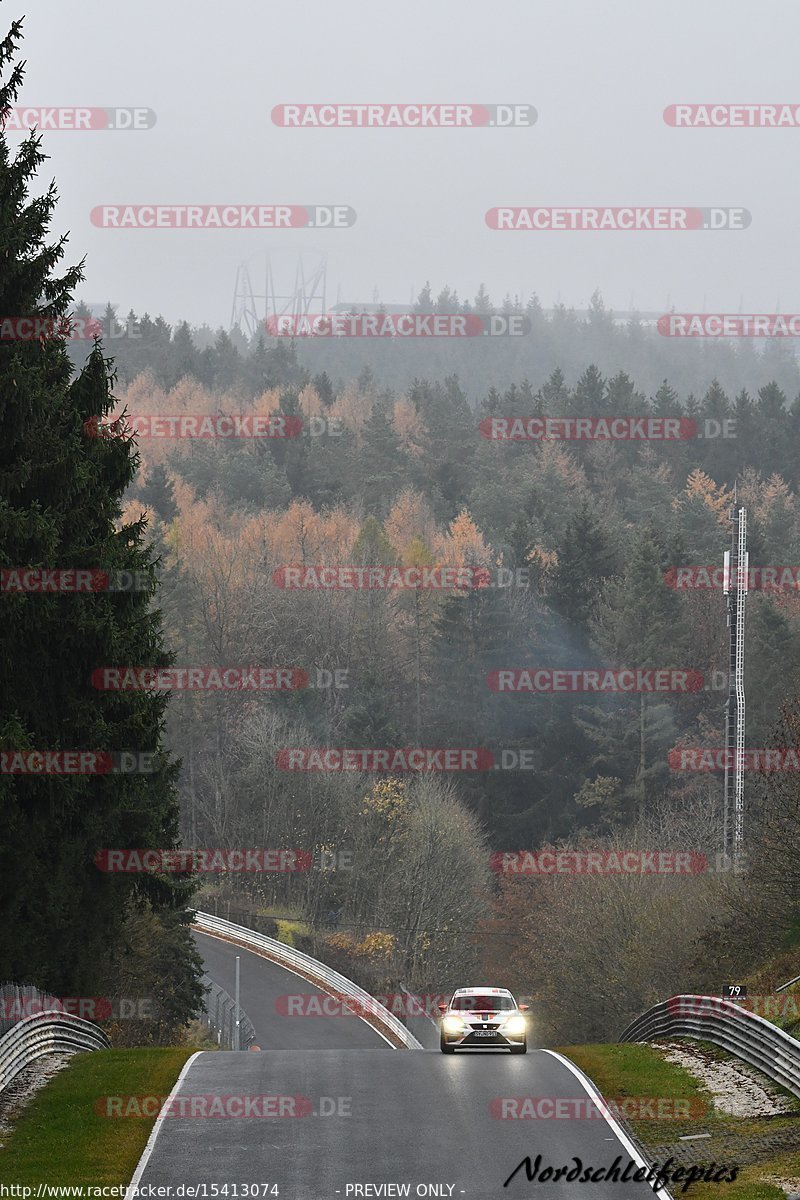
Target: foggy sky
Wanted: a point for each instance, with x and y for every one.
(598, 73)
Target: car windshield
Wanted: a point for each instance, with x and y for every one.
(482, 1003)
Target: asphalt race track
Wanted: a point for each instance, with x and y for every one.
(404, 1117)
(262, 984)
(358, 1113)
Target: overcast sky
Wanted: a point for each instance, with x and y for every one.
(599, 74)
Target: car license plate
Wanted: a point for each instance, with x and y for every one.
(487, 1033)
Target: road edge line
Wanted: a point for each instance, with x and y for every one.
(154, 1132)
(633, 1150)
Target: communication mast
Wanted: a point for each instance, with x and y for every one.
(735, 588)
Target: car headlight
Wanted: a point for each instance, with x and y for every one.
(454, 1025)
(515, 1026)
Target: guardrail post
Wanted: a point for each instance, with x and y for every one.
(236, 1011)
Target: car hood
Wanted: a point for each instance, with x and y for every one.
(483, 1014)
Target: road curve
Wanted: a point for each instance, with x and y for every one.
(263, 983)
(407, 1118)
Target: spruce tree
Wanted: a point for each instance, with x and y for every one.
(60, 507)
(585, 560)
(638, 625)
(382, 463)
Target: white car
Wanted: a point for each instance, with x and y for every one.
(483, 1017)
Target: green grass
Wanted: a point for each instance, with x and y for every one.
(630, 1070)
(750, 1184)
(747, 1187)
(60, 1138)
(635, 1070)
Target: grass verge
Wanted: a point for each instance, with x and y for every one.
(60, 1137)
(637, 1072)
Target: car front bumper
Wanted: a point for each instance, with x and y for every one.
(482, 1038)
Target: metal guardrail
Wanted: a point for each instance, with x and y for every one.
(45, 1033)
(422, 1005)
(219, 1017)
(423, 1022)
(18, 1000)
(316, 972)
(727, 1025)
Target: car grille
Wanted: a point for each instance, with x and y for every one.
(484, 1037)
